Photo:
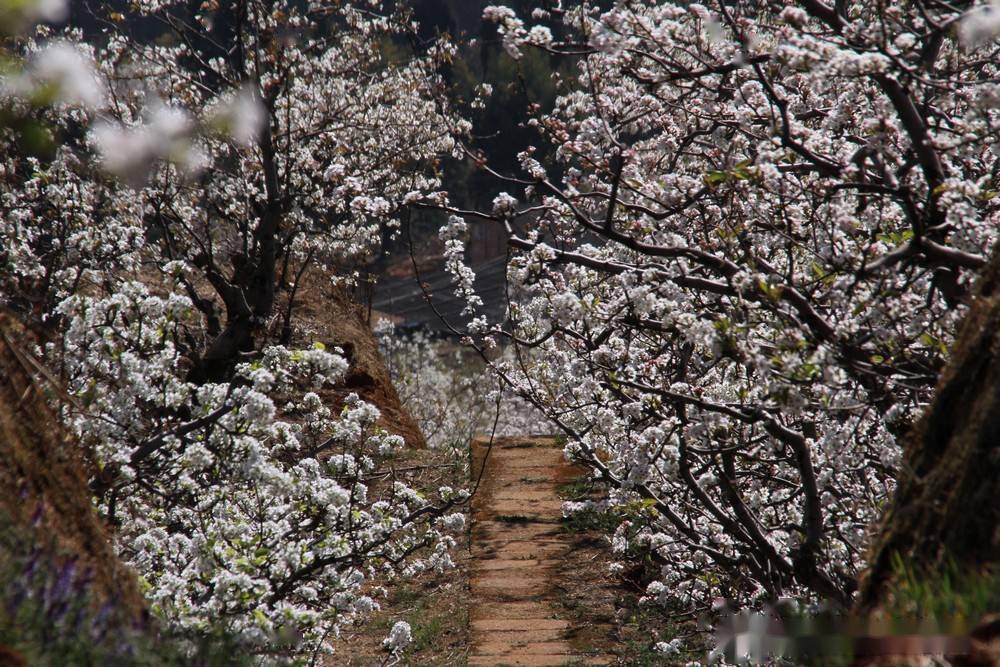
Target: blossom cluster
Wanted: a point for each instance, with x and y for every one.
(243, 503)
(160, 247)
(451, 393)
(734, 285)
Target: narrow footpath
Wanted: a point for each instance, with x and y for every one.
(517, 561)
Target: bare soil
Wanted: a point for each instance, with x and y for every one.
(530, 587)
(521, 560)
(325, 313)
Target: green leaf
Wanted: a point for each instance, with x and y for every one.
(772, 293)
(714, 178)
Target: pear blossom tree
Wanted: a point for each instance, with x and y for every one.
(202, 158)
(246, 502)
(322, 141)
(734, 285)
(441, 384)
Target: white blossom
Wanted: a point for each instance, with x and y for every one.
(399, 637)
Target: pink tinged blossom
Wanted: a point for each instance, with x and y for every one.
(52, 11)
(504, 205)
(540, 35)
(242, 117)
(980, 25)
(71, 74)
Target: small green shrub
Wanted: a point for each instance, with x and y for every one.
(578, 489)
(586, 520)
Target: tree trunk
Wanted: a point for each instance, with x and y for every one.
(947, 503)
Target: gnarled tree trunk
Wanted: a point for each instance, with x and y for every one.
(947, 503)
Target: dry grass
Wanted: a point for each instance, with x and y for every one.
(43, 471)
(325, 313)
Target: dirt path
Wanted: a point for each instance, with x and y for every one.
(518, 563)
